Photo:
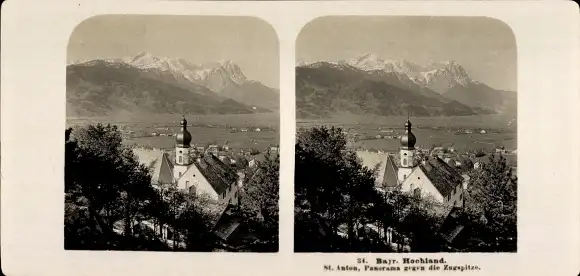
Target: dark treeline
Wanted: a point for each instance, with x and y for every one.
(337, 208)
(111, 204)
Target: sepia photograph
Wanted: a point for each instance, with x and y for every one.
(172, 134)
(406, 135)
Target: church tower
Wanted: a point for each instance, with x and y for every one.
(182, 148)
(407, 153)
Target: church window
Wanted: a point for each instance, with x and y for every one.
(404, 162)
(186, 184)
(192, 189)
(179, 151)
(180, 159)
(405, 154)
(179, 174)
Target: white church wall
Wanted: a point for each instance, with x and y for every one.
(194, 177)
(418, 179)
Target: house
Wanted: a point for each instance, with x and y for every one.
(256, 159)
(501, 151)
(204, 174)
(432, 177)
(212, 149)
(480, 162)
(234, 233)
(454, 231)
(483, 131)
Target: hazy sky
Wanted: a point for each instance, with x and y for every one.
(485, 47)
(249, 42)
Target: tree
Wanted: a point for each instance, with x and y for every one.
(467, 165)
(260, 201)
(191, 220)
(105, 181)
(492, 195)
(480, 153)
(331, 184)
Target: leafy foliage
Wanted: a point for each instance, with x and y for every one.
(111, 203)
(260, 203)
(331, 184)
(492, 195)
(104, 183)
(337, 208)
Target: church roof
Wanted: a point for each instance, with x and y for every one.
(408, 139)
(371, 160)
(219, 175)
(387, 168)
(183, 138)
(390, 178)
(158, 163)
(442, 176)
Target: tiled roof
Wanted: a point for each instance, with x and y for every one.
(454, 223)
(444, 177)
(226, 225)
(219, 175)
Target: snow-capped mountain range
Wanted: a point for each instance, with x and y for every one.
(196, 73)
(215, 82)
(439, 76)
(370, 84)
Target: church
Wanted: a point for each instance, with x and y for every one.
(194, 172)
(429, 177)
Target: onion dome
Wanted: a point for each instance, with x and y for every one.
(408, 139)
(183, 138)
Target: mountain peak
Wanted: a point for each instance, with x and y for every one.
(367, 62)
(217, 72)
(368, 56)
(226, 63)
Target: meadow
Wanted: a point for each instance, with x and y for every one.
(501, 130)
(271, 120)
(205, 129)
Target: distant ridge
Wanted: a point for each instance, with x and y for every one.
(101, 88)
(371, 85)
(147, 83)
